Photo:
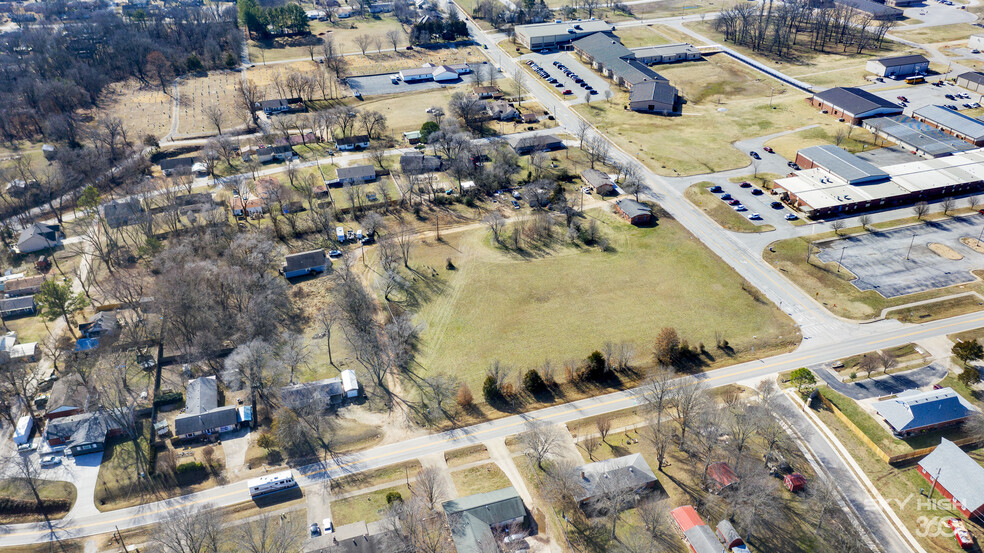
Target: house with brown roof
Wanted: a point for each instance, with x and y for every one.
(600, 182)
(27, 286)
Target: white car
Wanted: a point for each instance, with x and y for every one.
(791, 217)
(327, 526)
(29, 446)
(740, 207)
(50, 461)
(755, 217)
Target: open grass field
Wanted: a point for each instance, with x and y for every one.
(900, 487)
(834, 290)
(344, 31)
(858, 140)
(18, 489)
(481, 479)
(465, 455)
(564, 302)
(833, 68)
(720, 211)
(941, 309)
(198, 93)
(726, 102)
(644, 35)
(142, 108)
(939, 33)
(368, 507)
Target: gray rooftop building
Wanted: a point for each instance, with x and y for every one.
(630, 472)
(913, 411)
(607, 54)
(923, 138)
(957, 476)
(840, 163)
(952, 122)
(558, 33)
(479, 521)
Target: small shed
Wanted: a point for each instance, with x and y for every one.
(350, 384)
(795, 482)
(726, 533)
(721, 476)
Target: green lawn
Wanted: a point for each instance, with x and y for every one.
(480, 479)
(367, 507)
(562, 302)
(722, 213)
(634, 37)
(939, 33)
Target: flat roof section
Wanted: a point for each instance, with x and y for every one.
(553, 28)
(953, 120)
(911, 133)
(843, 164)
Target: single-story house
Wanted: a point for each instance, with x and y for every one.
(17, 307)
(27, 286)
(254, 206)
(306, 263)
(266, 153)
(721, 476)
(356, 174)
(360, 142)
(119, 213)
(698, 536)
(501, 110)
(176, 165)
(487, 92)
(330, 391)
(630, 472)
(20, 187)
(417, 163)
(480, 522)
(39, 236)
(537, 143)
(899, 67)
(202, 414)
(412, 137)
(600, 182)
(280, 105)
(632, 211)
(100, 324)
(853, 104)
(912, 411)
(957, 476)
(82, 433)
(69, 396)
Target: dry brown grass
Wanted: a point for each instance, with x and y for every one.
(944, 251)
(143, 109)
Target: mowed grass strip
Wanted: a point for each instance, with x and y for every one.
(719, 210)
(367, 507)
(481, 479)
(565, 302)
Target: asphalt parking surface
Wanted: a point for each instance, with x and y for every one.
(376, 85)
(885, 385)
(756, 204)
(545, 61)
(922, 95)
(878, 259)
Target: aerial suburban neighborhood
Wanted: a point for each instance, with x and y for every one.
(483, 276)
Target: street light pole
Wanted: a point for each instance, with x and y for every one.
(910, 247)
(841, 260)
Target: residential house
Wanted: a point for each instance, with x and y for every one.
(252, 207)
(912, 411)
(202, 414)
(853, 104)
(306, 263)
(268, 188)
(480, 522)
(529, 117)
(897, 67)
(360, 142)
(957, 476)
(176, 165)
(600, 182)
(972, 80)
(596, 480)
(357, 174)
(69, 396)
(487, 92)
(27, 286)
(17, 307)
(658, 97)
(417, 163)
(20, 188)
(280, 105)
(698, 536)
(501, 110)
(412, 137)
(39, 236)
(120, 213)
(25, 353)
(536, 143)
(632, 211)
(101, 324)
(329, 391)
(720, 476)
(48, 151)
(85, 432)
(264, 153)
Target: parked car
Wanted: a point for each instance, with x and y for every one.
(315, 530)
(567, 91)
(757, 192)
(335, 253)
(716, 188)
(515, 204)
(768, 149)
(29, 446)
(328, 526)
(50, 461)
(734, 201)
(754, 155)
(776, 205)
(727, 196)
(791, 217)
(592, 91)
(740, 207)
(745, 184)
(755, 217)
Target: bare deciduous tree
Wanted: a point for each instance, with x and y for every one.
(430, 487)
(540, 440)
(920, 209)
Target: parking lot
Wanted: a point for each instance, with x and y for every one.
(593, 79)
(756, 203)
(922, 95)
(375, 85)
(884, 262)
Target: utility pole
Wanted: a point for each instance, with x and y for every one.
(119, 536)
(932, 487)
(910, 247)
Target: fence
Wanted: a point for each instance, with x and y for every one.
(890, 459)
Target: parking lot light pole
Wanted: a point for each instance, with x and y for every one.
(980, 236)
(841, 260)
(910, 247)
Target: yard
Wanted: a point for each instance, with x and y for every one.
(481, 479)
(144, 110)
(368, 507)
(939, 33)
(551, 303)
(851, 138)
(720, 211)
(16, 489)
(198, 93)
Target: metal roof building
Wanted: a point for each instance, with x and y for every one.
(840, 163)
(476, 519)
(627, 472)
(557, 33)
(897, 66)
(853, 104)
(922, 138)
(698, 535)
(952, 122)
(914, 411)
(957, 476)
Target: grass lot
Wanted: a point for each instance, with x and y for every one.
(940, 33)
(538, 301)
(369, 507)
(465, 455)
(142, 108)
(937, 310)
(16, 488)
(900, 488)
(375, 477)
(857, 140)
(904, 355)
(975, 334)
(480, 479)
(835, 68)
(834, 290)
(634, 37)
(197, 93)
(344, 32)
(720, 211)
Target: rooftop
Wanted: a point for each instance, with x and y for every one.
(972, 76)
(843, 164)
(305, 260)
(632, 208)
(958, 473)
(201, 395)
(913, 409)
(855, 101)
(563, 27)
(628, 472)
(606, 49)
(471, 517)
(664, 50)
(356, 172)
(894, 61)
(874, 8)
(953, 120)
(921, 136)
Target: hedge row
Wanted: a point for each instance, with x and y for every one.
(12, 506)
(191, 466)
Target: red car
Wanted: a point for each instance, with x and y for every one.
(745, 184)
(568, 91)
(768, 149)
(733, 202)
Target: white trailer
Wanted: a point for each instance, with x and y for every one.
(271, 483)
(22, 433)
(340, 234)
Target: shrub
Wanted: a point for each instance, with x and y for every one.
(490, 389)
(464, 398)
(12, 506)
(151, 458)
(266, 441)
(393, 496)
(533, 382)
(167, 398)
(189, 467)
(449, 265)
(594, 367)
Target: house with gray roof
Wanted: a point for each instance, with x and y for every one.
(83, 433)
(596, 480)
(122, 213)
(536, 143)
(632, 211)
(480, 522)
(853, 104)
(17, 307)
(356, 174)
(202, 415)
(658, 97)
(305, 263)
(38, 236)
(328, 391)
(957, 476)
(912, 411)
(416, 163)
(599, 181)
